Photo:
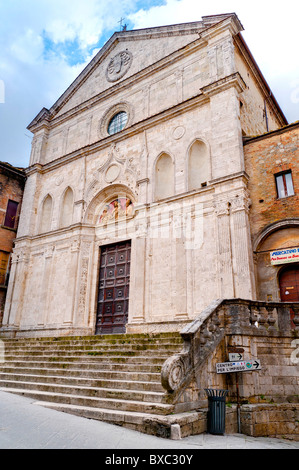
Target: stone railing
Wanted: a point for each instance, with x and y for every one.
(223, 318)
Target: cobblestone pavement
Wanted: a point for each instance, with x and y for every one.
(26, 425)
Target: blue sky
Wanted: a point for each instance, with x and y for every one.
(44, 45)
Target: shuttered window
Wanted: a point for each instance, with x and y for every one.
(284, 184)
(11, 214)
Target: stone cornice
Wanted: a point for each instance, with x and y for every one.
(224, 179)
(234, 80)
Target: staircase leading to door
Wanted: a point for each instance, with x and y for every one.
(112, 378)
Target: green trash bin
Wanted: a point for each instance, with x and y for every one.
(216, 411)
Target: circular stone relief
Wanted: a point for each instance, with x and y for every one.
(118, 66)
(178, 132)
(59, 180)
(112, 173)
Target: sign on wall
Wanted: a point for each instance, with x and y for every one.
(243, 366)
(290, 255)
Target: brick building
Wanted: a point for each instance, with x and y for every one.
(12, 181)
(272, 164)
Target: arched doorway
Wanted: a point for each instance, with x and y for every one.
(289, 284)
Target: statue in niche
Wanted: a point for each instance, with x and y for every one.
(120, 208)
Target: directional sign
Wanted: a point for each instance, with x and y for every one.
(233, 357)
(242, 366)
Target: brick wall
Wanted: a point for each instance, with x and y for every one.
(264, 157)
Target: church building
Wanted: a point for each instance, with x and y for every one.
(136, 212)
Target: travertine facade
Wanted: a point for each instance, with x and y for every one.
(189, 93)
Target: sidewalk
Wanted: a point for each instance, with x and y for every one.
(26, 425)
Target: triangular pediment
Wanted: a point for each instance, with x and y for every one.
(124, 55)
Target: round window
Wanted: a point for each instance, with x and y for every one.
(117, 123)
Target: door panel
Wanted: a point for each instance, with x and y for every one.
(289, 287)
(113, 295)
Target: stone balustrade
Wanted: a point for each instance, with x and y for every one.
(226, 318)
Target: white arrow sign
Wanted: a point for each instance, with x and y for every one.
(235, 357)
(243, 366)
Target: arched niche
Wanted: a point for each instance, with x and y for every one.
(67, 208)
(105, 200)
(164, 177)
(279, 236)
(46, 214)
(199, 172)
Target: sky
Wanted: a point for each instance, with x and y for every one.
(45, 44)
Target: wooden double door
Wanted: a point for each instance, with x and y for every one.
(289, 287)
(289, 284)
(113, 291)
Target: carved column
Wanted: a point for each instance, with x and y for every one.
(137, 280)
(75, 249)
(225, 268)
(81, 302)
(243, 266)
(38, 147)
(179, 85)
(17, 285)
(45, 286)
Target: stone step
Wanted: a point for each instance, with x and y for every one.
(114, 378)
(158, 425)
(81, 400)
(98, 358)
(78, 381)
(166, 338)
(176, 340)
(95, 352)
(84, 373)
(88, 365)
(95, 346)
(87, 391)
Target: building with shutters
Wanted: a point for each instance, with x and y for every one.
(137, 207)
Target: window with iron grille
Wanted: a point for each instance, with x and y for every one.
(284, 184)
(117, 123)
(11, 214)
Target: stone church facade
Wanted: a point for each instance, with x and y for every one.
(135, 213)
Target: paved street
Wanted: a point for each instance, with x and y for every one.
(26, 425)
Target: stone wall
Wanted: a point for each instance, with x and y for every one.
(263, 332)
